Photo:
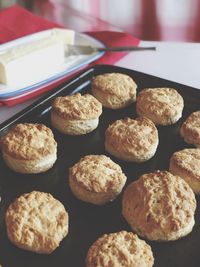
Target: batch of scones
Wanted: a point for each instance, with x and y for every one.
(36, 221)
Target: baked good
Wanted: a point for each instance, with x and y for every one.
(76, 114)
(114, 90)
(36, 221)
(186, 164)
(119, 249)
(132, 140)
(96, 179)
(29, 148)
(163, 106)
(159, 206)
(190, 129)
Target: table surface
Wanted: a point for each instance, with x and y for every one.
(172, 60)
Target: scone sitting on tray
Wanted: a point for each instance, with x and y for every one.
(190, 129)
(29, 148)
(159, 206)
(163, 106)
(37, 222)
(76, 114)
(186, 164)
(132, 140)
(96, 179)
(114, 90)
(119, 249)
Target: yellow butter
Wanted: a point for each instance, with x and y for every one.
(30, 62)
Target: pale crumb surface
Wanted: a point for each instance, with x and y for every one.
(73, 127)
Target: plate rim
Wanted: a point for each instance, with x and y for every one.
(54, 78)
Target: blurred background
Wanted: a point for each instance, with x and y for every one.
(167, 20)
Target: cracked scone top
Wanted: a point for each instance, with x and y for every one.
(29, 141)
(120, 249)
(76, 114)
(132, 139)
(159, 206)
(96, 179)
(29, 148)
(77, 107)
(114, 90)
(190, 129)
(186, 164)
(163, 106)
(37, 222)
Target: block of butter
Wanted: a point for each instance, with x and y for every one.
(33, 61)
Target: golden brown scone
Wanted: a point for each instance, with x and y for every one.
(36, 221)
(132, 140)
(190, 129)
(114, 90)
(159, 206)
(76, 114)
(122, 249)
(186, 164)
(96, 179)
(29, 148)
(163, 106)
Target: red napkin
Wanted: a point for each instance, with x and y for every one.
(16, 22)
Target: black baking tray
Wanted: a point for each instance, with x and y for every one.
(87, 222)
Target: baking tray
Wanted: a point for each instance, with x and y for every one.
(87, 222)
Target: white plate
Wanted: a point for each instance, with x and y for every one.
(72, 63)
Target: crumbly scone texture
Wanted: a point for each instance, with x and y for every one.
(28, 141)
(98, 173)
(159, 206)
(134, 137)
(188, 160)
(77, 107)
(37, 222)
(122, 249)
(118, 84)
(186, 164)
(115, 84)
(162, 105)
(190, 129)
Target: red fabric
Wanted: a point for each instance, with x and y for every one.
(16, 22)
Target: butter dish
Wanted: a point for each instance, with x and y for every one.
(34, 82)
